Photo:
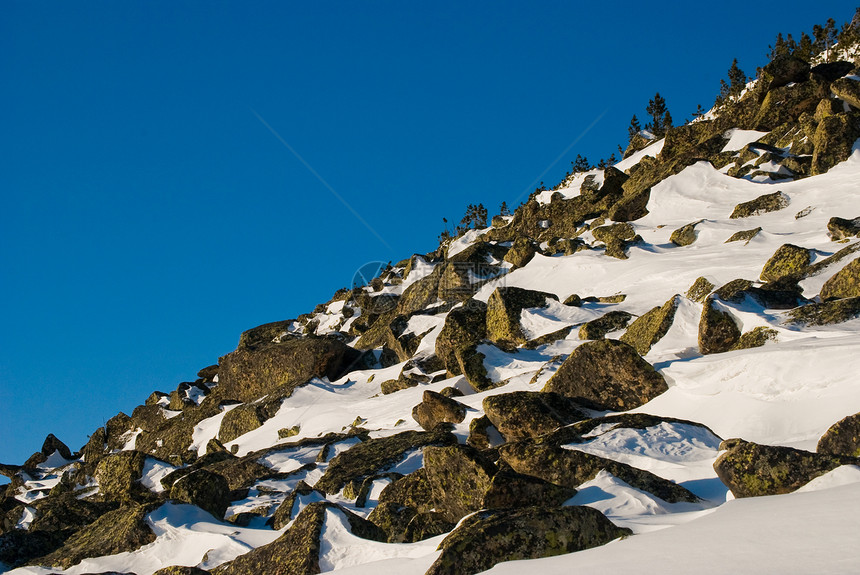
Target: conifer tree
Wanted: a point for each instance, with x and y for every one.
(503, 209)
(634, 127)
(699, 110)
(580, 164)
(657, 110)
(804, 48)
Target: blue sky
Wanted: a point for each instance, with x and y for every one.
(149, 216)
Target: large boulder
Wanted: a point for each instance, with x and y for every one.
(249, 373)
(524, 414)
(700, 290)
(52, 444)
(783, 70)
(240, 420)
(761, 205)
(297, 551)
(421, 293)
(788, 260)
(607, 374)
(504, 309)
(459, 476)
(521, 253)
(825, 313)
(651, 326)
(511, 489)
(205, 489)
(751, 470)
(435, 408)
(848, 90)
(842, 229)
(842, 438)
(374, 455)
(846, 283)
(118, 476)
(464, 328)
(608, 322)
(615, 237)
(571, 468)
(122, 530)
(685, 235)
(834, 140)
(491, 537)
(411, 490)
(718, 330)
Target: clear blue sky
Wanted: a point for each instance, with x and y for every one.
(148, 216)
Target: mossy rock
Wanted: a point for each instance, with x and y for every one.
(491, 537)
(509, 489)
(240, 420)
(573, 300)
(761, 205)
(435, 408)
(744, 236)
(287, 432)
(525, 414)
(788, 260)
(504, 309)
(608, 322)
(618, 231)
(207, 490)
(247, 374)
(700, 290)
(650, 327)
(65, 512)
(426, 525)
(118, 476)
(844, 284)
(411, 490)
(834, 140)
(842, 438)
(718, 330)
(827, 107)
(521, 253)
(607, 374)
(847, 90)
(756, 338)
(842, 229)
(571, 468)
(685, 235)
(549, 338)
(826, 313)
(122, 530)
(632, 206)
(297, 551)
(752, 470)
(459, 476)
(374, 455)
(464, 328)
(171, 441)
(263, 335)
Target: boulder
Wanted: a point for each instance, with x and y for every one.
(263, 335)
(521, 252)
(95, 447)
(834, 140)
(464, 328)
(480, 430)
(615, 237)
(421, 293)
(845, 283)
(426, 525)
(297, 551)
(207, 490)
(783, 70)
(607, 374)
(393, 519)
(751, 470)
(122, 530)
(787, 103)
(491, 537)
(524, 414)
(181, 570)
(435, 408)
(459, 476)
(52, 444)
(118, 476)
(504, 309)
(847, 90)
(571, 468)
(718, 330)
(685, 235)
(632, 206)
(841, 229)
(788, 260)
(608, 322)
(374, 455)
(240, 420)
(761, 205)
(842, 438)
(284, 513)
(651, 326)
(208, 374)
(510, 489)
(411, 491)
(700, 290)
(826, 313)
(755, 338)
(249, 373)
(744, 236)
(830, 71)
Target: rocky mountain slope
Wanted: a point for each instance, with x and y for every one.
(650, 367)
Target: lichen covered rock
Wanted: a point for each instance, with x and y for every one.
(842, 438)
(435, 408)
(826, 313)
(504, 309)
(118, 476)
(756, 337)
(788, 260)
(834, 140)
(491, 537)
(685, 235)
(464, 328)
(608, 322)
(205, 489)
(718, 331)
(751, 470)
(848, 90)
(240, 420)
(412, 490)
(607, 374)
(650, 328)
(841, 229)
(523, 414)
(845, 283)
(521, 253)
(459, 476)
(761, 205)
(744, 236)
(700, 290)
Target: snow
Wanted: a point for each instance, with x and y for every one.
(207, 430)
(154, 471)
(738, 138)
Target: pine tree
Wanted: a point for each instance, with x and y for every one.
(699, 111)
(737, 79)
(612, 160)
(657, 110)
(503, 209)
(805, 49)
(667, 121)
(634, 127)
(850, 34)
(580, 164)
(820, 43)
(780, 48)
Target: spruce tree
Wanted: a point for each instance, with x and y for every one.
(580, 165)
(634, 127)
(503, 209)
(657, 110)
(804, 48)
